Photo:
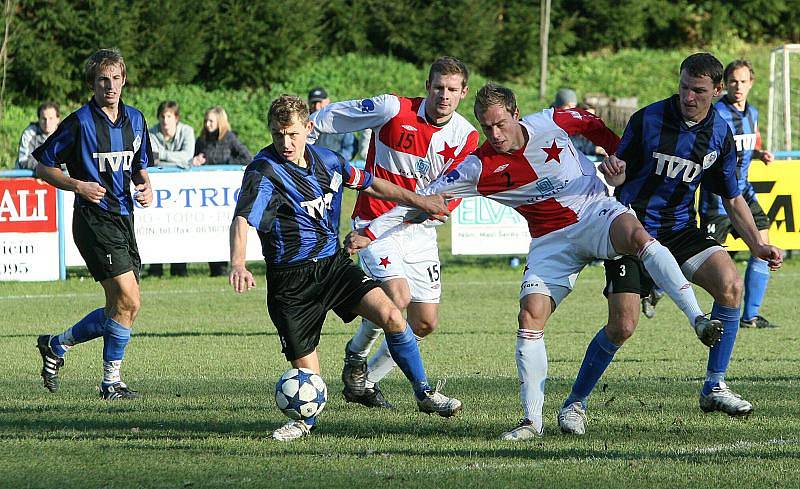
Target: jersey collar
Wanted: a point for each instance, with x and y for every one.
(121, 110)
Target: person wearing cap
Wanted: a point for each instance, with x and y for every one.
(566, 99)
(344, 144)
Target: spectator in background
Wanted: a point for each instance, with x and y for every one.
(173, 146)
(171, 139)
(36, 133)
(345, 143)
(218, 145)
(566, 98)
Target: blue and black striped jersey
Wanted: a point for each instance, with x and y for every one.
(296, 210)
(666, 161)
(744, 125)
(94, 149)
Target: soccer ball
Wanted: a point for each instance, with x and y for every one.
(300, 393)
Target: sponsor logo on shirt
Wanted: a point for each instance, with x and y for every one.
(422, 166)
(409, 128)
(452, 176)
(316, 208)
(114, 160)
(367, 105)
(500, 168)
(745, 142)
(547, 189)
(671, 166)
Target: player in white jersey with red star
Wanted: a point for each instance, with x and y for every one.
(532, 166)
(414, 141)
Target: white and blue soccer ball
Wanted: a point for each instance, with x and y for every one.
(300, 393)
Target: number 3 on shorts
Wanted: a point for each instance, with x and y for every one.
(622, 270)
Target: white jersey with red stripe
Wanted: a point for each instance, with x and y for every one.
(405, 148)
(547, 181)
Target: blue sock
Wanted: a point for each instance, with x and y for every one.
(115, 340)
(719, 356)
(598, 356)
(405, 353)
(88, 328)
(755, 286)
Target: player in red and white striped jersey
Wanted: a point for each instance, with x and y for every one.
(532, 166)
(414, 141)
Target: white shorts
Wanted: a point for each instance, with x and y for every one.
(411, 253)
(556, 259)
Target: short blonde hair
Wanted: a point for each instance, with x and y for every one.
(103, 59)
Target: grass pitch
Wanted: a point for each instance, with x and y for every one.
(206, 361)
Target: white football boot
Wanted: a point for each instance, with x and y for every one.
(725, 400)
(572, 419)
(292, 430)
(523, 431)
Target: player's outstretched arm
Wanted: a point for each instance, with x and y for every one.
(613, 170)
(435, 205)
(240, 277)
(91, 191)
(742, 220)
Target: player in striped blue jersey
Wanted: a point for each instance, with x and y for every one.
(668, 148)
(105, 146)
(743, 121)
(292, 193)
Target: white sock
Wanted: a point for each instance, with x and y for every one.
(667, 274)
(111, 371)
(531, 358)
(381, 364)
(364, 338)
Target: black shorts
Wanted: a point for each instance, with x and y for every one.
(627, 273)
(719, 226)
(300, 296)
(106, 242)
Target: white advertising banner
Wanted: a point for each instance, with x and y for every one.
(188, 221)
(483, 227)
(28, 230)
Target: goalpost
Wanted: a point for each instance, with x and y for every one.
(783, 126)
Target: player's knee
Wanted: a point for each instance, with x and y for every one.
(128, 305)
(424, 327)
(621, 329)
(529, 318)
(392, 320)
(732, 290)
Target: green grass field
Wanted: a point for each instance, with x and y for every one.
(206, 361)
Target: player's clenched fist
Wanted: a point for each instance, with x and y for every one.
(354, 242)
(613, 169)
(91, 191)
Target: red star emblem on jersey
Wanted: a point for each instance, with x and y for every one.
(449, 153)
(553, 152)
(385, 262)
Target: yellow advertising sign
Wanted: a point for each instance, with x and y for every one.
(778, 188)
